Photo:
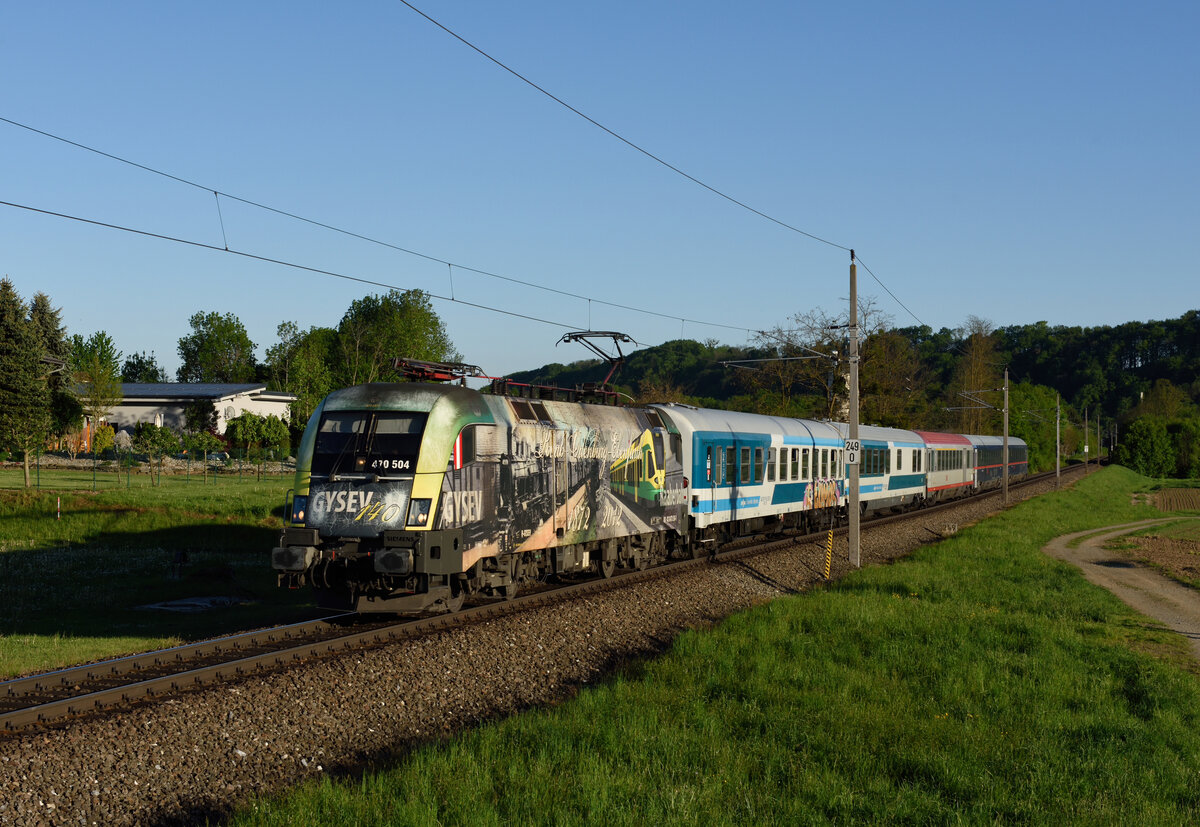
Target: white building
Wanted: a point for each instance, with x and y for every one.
(165, 403)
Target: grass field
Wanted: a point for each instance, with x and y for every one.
(976, 682)
(76, 564)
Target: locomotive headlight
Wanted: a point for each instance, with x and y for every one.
(299, 509)
(418, 512)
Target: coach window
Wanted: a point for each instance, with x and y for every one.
(833, 464)
(783, 458)
(803, 464)
(758, 464)
(744, 468)
(899, 460)
(730, 469)
(770, 465)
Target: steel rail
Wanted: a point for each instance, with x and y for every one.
(178, 675)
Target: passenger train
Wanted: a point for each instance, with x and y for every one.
(410, 497)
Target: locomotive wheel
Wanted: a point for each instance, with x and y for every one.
(607, 567)
(455, 602)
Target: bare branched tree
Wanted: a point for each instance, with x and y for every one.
(978, 370)
(817, 343)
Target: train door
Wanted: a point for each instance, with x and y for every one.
(731, 478)
(559, 487)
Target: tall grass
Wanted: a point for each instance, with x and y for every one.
(976, 682)
(76, 565)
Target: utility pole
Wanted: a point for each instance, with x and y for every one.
(1005, 436)
(854, 447)
(1085, 441)
(1057, 438)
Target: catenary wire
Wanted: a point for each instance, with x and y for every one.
(651, 155)
(620, 137)
(318, 270)
(351, 233)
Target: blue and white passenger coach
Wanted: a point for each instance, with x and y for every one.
(749, 470)
(891, 472)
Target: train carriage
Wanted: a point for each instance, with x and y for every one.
(988, 459)
(949, 471)
(891, 469)
(749, 470)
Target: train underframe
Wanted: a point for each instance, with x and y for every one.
(407, 572)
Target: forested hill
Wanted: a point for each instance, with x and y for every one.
(1107, 370)
(678, 370)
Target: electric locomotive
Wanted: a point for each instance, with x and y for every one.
(411, 496)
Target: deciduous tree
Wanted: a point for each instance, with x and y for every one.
(139, 367)
(217, 350)
(1146, 448)
(978, 373)
(300, 363)
(377, 329)
(95, 365)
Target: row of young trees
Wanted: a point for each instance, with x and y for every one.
(50, 382)
(249, 436)
(310, 363)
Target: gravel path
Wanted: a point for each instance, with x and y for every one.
(199, 755)
(1173, 604)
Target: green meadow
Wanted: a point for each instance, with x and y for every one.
(976, 682)
(77, 565)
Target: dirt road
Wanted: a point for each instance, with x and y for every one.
(1171, 603)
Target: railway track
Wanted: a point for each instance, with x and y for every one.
(49, 698)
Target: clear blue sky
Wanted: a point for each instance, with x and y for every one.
(1016, 161)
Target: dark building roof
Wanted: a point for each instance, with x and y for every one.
(196, 390)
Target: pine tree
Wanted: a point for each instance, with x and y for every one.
(24, 394)
(66, 414)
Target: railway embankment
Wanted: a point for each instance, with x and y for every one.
(858, 678)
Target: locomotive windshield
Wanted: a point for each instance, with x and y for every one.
(368, 442)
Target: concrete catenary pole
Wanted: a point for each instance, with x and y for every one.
(1057, 438)
(1005, 473)
(854, 540)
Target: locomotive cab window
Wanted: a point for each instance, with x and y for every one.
(366, 442)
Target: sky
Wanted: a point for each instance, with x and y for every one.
(1016, 162)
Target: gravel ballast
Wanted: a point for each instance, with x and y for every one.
(202, 753)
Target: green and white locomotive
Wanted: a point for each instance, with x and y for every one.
(411, 496)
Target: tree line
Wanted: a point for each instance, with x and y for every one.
(49, 381)
(1141, 380)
